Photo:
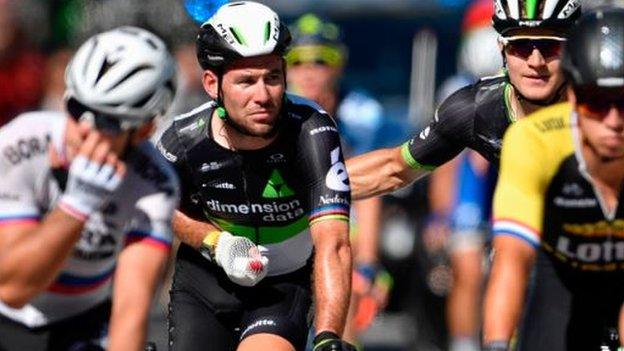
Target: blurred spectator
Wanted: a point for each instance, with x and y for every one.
(21, 67)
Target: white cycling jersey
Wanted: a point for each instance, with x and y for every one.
(140, 210)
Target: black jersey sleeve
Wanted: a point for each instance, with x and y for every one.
(447, 134)
(172, 149)
(323, 170)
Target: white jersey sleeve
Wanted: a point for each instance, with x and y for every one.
(23, 149)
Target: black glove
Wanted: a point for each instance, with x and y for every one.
(496, 346)
(328, 341)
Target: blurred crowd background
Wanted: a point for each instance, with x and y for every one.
(399, 53)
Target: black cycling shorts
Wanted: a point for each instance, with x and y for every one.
(567, 313)
(206, 308)
(84, 332)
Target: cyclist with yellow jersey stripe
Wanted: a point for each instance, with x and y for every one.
(556, 206)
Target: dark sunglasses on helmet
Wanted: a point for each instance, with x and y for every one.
(100, 120)
(596, 102)
(549, 47)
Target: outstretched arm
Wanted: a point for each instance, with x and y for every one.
(380, 172)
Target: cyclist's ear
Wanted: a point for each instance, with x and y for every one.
(210, 81)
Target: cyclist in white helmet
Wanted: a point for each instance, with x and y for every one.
(258, 167)
(86, 203)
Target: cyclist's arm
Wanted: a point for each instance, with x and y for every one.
(380, 172)
(621, 325)
(383, 171)
(188, 224)
(332, 274)
(191, 231)
(32, 253)
(33, 247)
(518, 216)
(323, 174)
(506, 287)
(139, 270)
(141, 264)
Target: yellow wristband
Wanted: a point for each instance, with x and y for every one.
(211, 239)
(208, 245)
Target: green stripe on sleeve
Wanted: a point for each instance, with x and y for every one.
(409, 159)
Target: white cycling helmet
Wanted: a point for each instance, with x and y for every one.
(559, 15)
(125, 77)
(240, 29)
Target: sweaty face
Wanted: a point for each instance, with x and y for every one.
(253, 90)
(76, 133)
(601, 121)
(534, 71)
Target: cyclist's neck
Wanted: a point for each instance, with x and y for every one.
(228, 137)
(522, 107)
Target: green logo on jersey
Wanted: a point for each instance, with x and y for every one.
(276, 187)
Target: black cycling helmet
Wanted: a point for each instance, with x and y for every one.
(594, 53)
(315, 38)
(237, 30)
(558, 15)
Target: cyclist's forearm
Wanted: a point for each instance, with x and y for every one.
(379, 172)
(31, 262)
(332, 283)
(128, 331)
(505, 292)
(139, 270)
(191, 231)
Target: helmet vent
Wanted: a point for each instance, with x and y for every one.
(239, 38)
(151, 43)
(129, 75)
(106, 65)
(267, 31)
(143, 101)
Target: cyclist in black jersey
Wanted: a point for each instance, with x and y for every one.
(557, 211)
(258, 167)
(477, 116)
(532, 33)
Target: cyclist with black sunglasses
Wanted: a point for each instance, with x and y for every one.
(557, 214)
(86, 202)
(532, 32)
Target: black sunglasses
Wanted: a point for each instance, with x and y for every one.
(523, 48)
(101, 121)
(597, 102)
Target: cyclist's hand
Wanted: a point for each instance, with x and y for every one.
(328, 341)
(241, 259)
(94, 175)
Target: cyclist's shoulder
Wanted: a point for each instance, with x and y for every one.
(548, 122)
(185, 130)
(26, 138)
(153, 171)
(308, 114)
(545, 135)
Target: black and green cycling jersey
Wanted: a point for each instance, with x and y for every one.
(270, 195)
(474, 117)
